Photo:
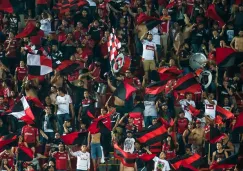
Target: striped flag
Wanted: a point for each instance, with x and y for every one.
(113, 45)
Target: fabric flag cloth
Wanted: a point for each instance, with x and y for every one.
(35, 101)
(67, 67)
(29, 30)
(227, 163)
(25, 154)
(223, 113)
(153, 90)
(166, 123)
(101, 124)
(194, 112)
(69, 6)
(192, 160)
(74, 138)
(124, 91)
(169, 73)
(127, 159)
(90, 115)
(152, 135)
(238, 127)
(215, 135)
(114, 45)
(187, 83)
(5, 5)
(150, 22)
(38, 65)
(215, 13)
(227, 57)
(22, 111)
(8, 140)
(171, 5)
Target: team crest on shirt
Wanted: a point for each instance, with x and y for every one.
(148, 47)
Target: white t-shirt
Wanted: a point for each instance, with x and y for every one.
(63, 104)
(156, 36)
(184, 105)
(210, 109)
(150, 108)
(149, 49)
(46, 25)
(161, 164)
(129, 145)
(83, 160)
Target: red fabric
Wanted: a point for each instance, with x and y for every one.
(171, 5)
(211, 13)
(182, 124)
(138, 119)
(41, 2)
(9, 158)
(11, 52)
(169, 73)
(30, 134)
(239, 122)
(222, 54)
(143, 18)
(29, 28)
(5, 5)
(170, 153)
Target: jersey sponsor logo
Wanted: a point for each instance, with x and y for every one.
(149, 47)
(209, 106)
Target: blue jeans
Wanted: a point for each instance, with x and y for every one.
(96, 151)
(61, 118)
(148, 120)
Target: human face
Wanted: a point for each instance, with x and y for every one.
(128, 73)
(84, 148)
(61, 147)
(48, 110)
(48, 100)
(103, 111)
(86, 94)
(21, 64)
(198, 125)
(219, 146)
(162, 155)
(150, 37)
(84, 13)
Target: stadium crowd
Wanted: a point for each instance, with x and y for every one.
(154, 78)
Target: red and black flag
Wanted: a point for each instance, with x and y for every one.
(124, 91)
(227, 163)
(69, 6)
(153, 90)
(90, 115)
(127, 159)
(227, 57)
(25, 154)
(8, 140)
(101, 124)
(149, 21)
(168, 73)
(67, 67)
(155, 133)
(29, 31)
(147, 157)
(217, 14)
(238, 127)
(194, 160)
(187, 83)
(74, 138)
(223, 113)
(215, 135)
(6, 5)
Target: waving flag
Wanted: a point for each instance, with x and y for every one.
(6, 5)
(21, 110)
(25, 154)
(124, 91)
(39, 65)
(239, 124)
(113, 45)
(167, 73)
(152, 135)
(227, 163)
(8, 140)
(69, 6)
(149, 21)
(153, 90)
(215, 13)
(215, 135)
(194, 160)
(227, 57)
(74, 138)
(127, 159)
(67, 67)
(223, 113)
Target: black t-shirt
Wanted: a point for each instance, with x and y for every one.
(184, 54)
(197, 37)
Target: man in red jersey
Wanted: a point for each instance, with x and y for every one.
(31, 135)
(181, 124)
(7, 154)
(62, 159)
(20, 73)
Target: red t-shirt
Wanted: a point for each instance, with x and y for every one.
(11, 52)
(61, 160)
(182, 124)
(9, 158)
(21, 73)
(74, 76)
(30, 134)
(207, 132)
(170, 153)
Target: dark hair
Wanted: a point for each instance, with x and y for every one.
(62, 89)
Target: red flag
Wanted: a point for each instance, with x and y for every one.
(227, 163)
(90, 115)
(144, 18)
(29, 30)
(215, 135)
(126, 158)
(169, 73)
(239, 124)
(124, 91)
(213, 14)
(74, 138)
(153, 90)
(6, 6)
(195, 112)
(222, 54)
(146, 157)
(8, 139)
(223, 113)
(193, 160)
(25, 154)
